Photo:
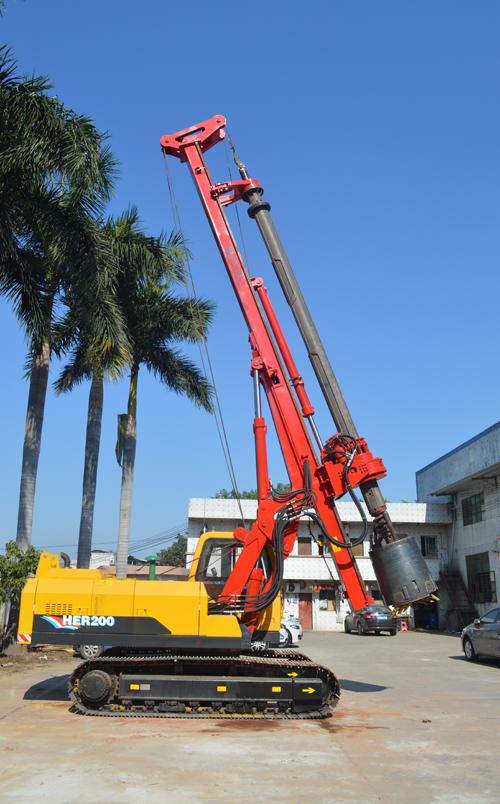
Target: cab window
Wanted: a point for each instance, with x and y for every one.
(217, 560)
(216, 563)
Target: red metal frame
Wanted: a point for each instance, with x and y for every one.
(328, 482)
(207, 134)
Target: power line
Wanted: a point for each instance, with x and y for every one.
(142, 544)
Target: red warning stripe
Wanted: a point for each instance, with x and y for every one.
(24, 638)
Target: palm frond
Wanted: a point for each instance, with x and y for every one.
(181, 375)
(43, 141)
(144, 256)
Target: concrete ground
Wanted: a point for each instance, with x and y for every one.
(416, 724)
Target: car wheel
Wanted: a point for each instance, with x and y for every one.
(346, 627)
(393, 632)
(361, 630)
(90, 651)
(470, 653)
(287, 640)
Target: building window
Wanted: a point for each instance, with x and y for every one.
(480, 580)
(327, 600)
(304, 546)
(428, 546)
(473, 509)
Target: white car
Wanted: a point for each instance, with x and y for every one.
(290, 632)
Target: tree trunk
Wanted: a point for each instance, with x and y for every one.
(9, 622)
(31, 449)
(92, 443)
(128, 461)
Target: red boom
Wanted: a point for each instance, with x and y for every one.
(327, 475)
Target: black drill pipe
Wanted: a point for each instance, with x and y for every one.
(259, 210)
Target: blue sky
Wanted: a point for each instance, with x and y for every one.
(374, 129)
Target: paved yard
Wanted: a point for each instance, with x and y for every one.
(416, 724)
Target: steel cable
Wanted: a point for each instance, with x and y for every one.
(224, 441)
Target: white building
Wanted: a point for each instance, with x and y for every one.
(466, 481)
(99, 558)
(312, 587)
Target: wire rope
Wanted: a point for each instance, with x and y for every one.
(236, 207)
(223, 440)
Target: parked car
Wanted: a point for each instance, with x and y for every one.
(376, 618)
(290, 632)
(482, 637)
(89, 651)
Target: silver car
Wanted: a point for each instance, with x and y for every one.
(482, 637)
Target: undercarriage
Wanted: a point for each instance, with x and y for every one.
(270, 684)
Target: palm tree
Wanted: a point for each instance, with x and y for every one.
(81, 273)
(42, 144)
(130, 247)
(86, 364)
(156, 321)
(55, 175)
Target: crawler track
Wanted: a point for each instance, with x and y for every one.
(272, 685)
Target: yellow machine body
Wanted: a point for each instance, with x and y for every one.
(88, 606)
